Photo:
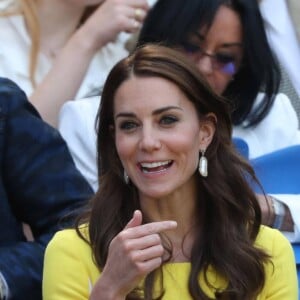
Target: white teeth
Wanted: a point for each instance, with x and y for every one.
(155, 164)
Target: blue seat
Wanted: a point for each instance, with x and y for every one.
(279, 171)
(296, 248)
(241, 146)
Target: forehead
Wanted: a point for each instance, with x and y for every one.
(226, 28)
(149, 93)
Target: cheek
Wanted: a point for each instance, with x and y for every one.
(124, 146)
(221, 83)
(187, 143)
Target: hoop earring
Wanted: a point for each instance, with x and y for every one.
(202, 167)
(126, 177)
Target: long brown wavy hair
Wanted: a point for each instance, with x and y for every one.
(229, 214)
(28, 8)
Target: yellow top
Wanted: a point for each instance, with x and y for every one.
(70, 273)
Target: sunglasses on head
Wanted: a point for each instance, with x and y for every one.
(225, 63)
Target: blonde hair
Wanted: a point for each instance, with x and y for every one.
(28, 8)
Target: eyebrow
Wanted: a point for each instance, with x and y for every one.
(225, 45)
(155, 112)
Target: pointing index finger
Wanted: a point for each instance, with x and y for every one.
(151, 228)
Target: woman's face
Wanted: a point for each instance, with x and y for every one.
(218, 51)
(158, 135)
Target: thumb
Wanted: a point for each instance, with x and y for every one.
(136, 220)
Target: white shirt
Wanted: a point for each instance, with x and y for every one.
(279, 129)
(14, 58)
(282, 37)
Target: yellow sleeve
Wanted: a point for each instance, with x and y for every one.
(281, 281)
(68, 268)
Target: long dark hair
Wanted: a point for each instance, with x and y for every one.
(171, 21)
(227, 210)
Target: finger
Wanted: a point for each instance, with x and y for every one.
(150, 228)
(136, 220)
(144, 242)
(148, 253)
(148, 266)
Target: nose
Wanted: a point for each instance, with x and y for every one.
(204, 65)
(149, 140)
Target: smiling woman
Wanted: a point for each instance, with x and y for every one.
(154, 133)
(169, 228)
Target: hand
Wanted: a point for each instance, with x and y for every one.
(133, 253)
(111, 18)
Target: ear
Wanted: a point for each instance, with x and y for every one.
(207, 130)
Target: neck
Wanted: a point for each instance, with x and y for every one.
(58, 21)
(180, 207)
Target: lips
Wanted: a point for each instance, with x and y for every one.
(152, 167)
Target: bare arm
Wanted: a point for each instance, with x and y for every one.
(70, 67)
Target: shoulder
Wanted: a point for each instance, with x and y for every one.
(83, 111)
(5, 4)
(69, 270)
(282, 103)
(77, 122)
(12, 96)
(79, 108)
(280, 250)
(281, 276)
(68, 250)
(273, 241)
(69, 237)
(14, 33)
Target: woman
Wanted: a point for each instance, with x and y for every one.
(54, 49)
(169, 219)
(227, 41)
(236, 61)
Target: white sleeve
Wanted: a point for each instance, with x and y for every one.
(279, 129)
(77, 126)
(292, 201)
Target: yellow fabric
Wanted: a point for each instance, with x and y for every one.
(70, 273)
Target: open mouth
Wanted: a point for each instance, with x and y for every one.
(155, 167)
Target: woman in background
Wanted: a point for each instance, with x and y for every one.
(57, 49)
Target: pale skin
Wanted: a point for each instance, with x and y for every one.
(138, 251)
(154, 123)
(59, 34)
(225, 36)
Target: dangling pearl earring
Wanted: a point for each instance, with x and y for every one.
(126, 177)
(202, 167)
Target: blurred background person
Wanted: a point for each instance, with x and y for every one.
(56, 50)
(39, 186)
(282, 24)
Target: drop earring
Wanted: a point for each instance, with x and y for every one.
(126, 177)
(202, 167)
